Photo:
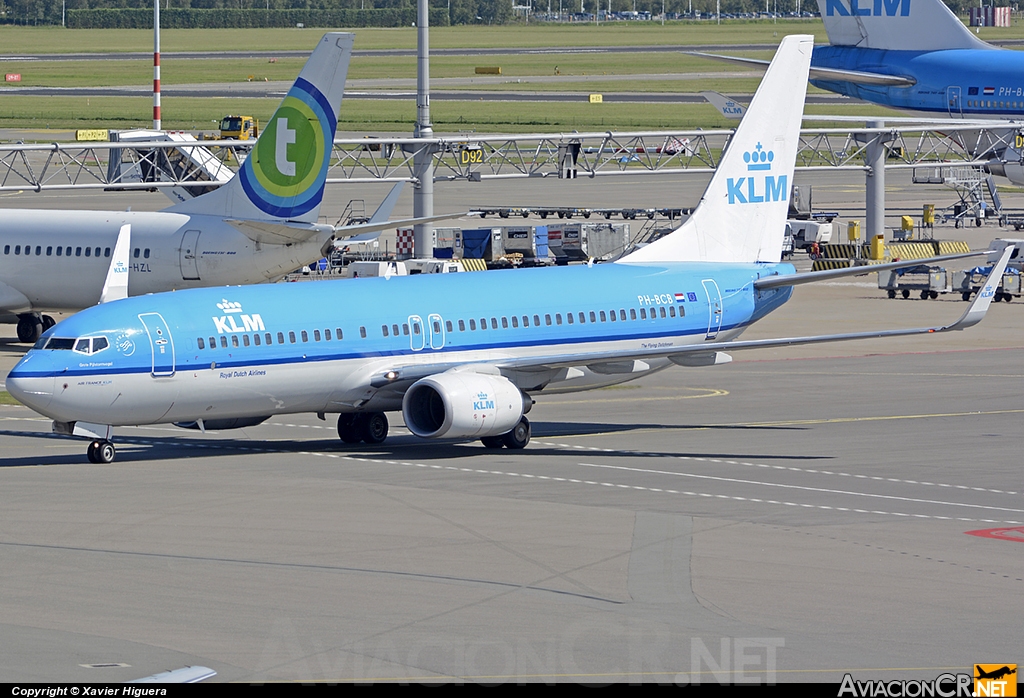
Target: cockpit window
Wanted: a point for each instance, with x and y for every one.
(60, 343)
(91, 345)
(82, 346)
(99, 344)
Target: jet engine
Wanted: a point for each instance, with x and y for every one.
(459, 404)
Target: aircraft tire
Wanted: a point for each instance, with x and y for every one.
(48, 322)
(30, 328)
(91, 452)
(105, 452)
(373, 427)
(905, 293)
(519, 436)
(348, 428)
(494, 442)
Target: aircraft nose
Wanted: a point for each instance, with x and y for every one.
(31, 383)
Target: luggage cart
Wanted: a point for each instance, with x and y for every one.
(928, 281)
(969, 281)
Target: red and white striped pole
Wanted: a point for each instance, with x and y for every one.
(156, 65)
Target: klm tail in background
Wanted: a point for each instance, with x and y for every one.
(283, 178)
(899, 25)
(742, 216)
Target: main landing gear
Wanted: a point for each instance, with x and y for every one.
(101, 451)
(368, 427)
(515, 439)
(32, 325)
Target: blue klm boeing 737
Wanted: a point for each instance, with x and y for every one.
(914, 55)
(460, 355)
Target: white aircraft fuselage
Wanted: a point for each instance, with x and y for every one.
(57, 261)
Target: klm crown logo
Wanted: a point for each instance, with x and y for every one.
(757, 188)
(227, 306)
(758, 159)
(483, 402)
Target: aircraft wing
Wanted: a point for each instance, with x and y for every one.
(401, 377)
(831, 74)
(829, 274)
(13, 299)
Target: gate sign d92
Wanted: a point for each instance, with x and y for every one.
(471, 156)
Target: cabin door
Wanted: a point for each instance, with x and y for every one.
(714, 307)
(188, 255)
(953, 102)
(160, 344)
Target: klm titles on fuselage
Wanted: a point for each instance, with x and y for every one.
(868, 8)
(756, 188)
(226, 324)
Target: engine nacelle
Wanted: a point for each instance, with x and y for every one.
(459, 404)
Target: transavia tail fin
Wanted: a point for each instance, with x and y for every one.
(742, 215)
(283, 177)
(900, 25)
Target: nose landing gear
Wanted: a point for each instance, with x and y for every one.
(101, 451)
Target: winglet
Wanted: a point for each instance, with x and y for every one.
(977, 309)
(115, 287)
(383, 211)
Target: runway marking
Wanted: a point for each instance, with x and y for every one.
(718, 478)
(789, 468)
(592, 483)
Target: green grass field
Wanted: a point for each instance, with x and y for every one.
(519, 73)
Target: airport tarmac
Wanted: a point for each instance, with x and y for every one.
(794, 515)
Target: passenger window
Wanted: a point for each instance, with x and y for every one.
(672, 310)
(448, 325)
(280, 338)
(405, 329)
(59, 251)
(462, 325)
(136, 253)
(663, 311)
(483, 323)
(213, 342)
(256, 339)
(416, 328)
(97, 253)
(494, 323)
(106, 252)
(547, 320)
(49, 251)
(682, 311)
(78, 251)
(362, 332)
(234, 340)
(223, 342)
(245, 339)
(472, 324)
(305, 336)
(88, 251)
(67, 252)
(515, 321)
(593, 318)
(558, 318)
(394, 330)
(632, 314)
(583, 318)
(437, 327)
(384, 330)
(504, 322)
(200, 343)
(7, 249)
(526, 321)
(17, 249)
(145, 254)
(622, 315)
(269, 338)
(327, 335)
(611, 315)
(536, 320)
(568, 316)
(291, 337)
(316, 335)
(338, 333)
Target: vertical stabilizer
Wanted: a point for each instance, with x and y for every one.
(742, 215)
(283, 177)
(899, 25)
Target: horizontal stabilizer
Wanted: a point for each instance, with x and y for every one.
(346, 231)
(383, 211)
(273, 233)
(830, 74)
(829, 274)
